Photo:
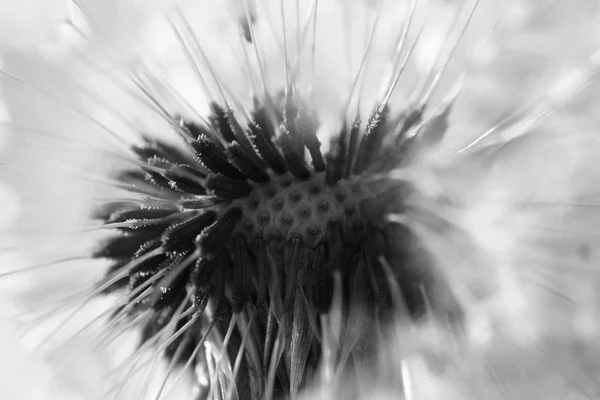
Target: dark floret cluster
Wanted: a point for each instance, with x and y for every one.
(247, 233)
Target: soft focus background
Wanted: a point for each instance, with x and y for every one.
(519, 55)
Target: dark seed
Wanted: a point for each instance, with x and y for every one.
(200, 202)
(220, 121)
(371, 142)
(241, 160)
(202, 276)
(294, 160)
(154, 148)
(138, 213)
(120, 247)
(214, 238)
(173, 294)
(306, 128)
(196, 130)
(337, 156)
(245, 29)
(181, 236)
(215, 159)
(145, 270)
(267, 150)
(184, 184)
(227, 188)
(408, 121)
(145, 227)
(157, 179)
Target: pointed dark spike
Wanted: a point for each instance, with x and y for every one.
(180, 237)
(159, 149)
(242, 268)
(183, 183)
(159, 162)
(145, 270)
(113, 270)
(200, 202)
(157, 179)
(294, 160)
(307, 129)
(144, 152)
(226, 188)
(173, 294)
(321, 286)
(240, 159)
(433, 131)
(400, 154)
(245, 29)
(139, 213)
(184, 126)
(131, 177)
(337, 157)
(291, 141)
(196, 130)
(260, 118)
(200, 300)
(202, 278)
(186, 179)
(215, 159)
(148, 246)
(203, 272)
(354, 131)
(220, 120)
(408, 121)
(185, 169)
(267, 149)
(290, 112)
(214, 238)
(291, 285)
(147, 152)
(145, 227)
(370, 145)
(244, 141)
(105, 211)
(120, 247)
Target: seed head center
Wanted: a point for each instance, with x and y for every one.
(286, 207)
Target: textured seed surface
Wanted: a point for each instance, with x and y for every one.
(287, 207)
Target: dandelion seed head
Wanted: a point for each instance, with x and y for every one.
(242, 205)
